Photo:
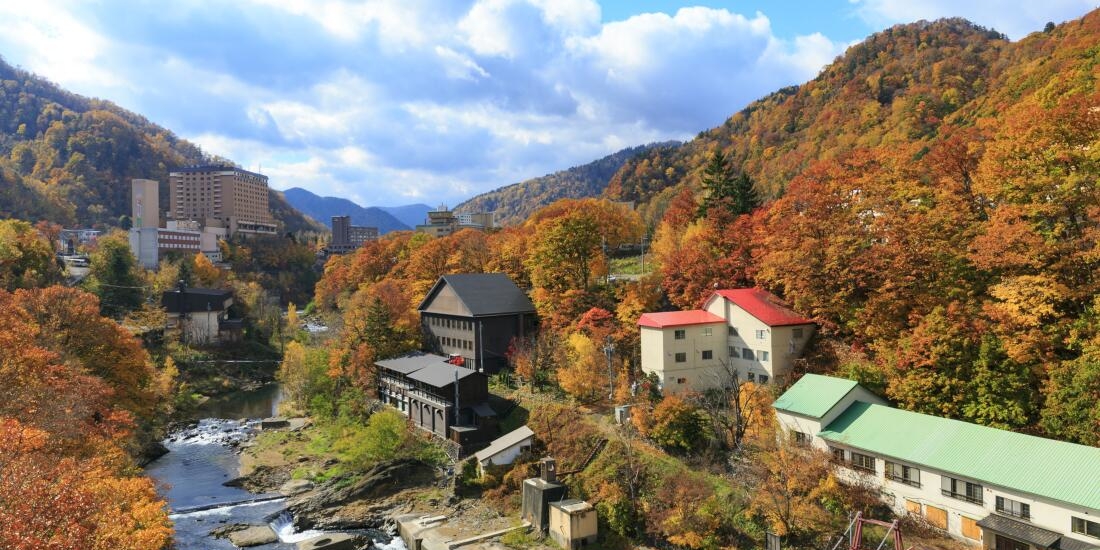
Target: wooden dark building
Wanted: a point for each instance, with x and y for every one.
(475, 316)
(423, 387)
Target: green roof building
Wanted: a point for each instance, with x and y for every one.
(1001, 489)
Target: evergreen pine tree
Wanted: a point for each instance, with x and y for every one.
(745, 199)
(717, 181)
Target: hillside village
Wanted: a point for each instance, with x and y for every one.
(862, 311)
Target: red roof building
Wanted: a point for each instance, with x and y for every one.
(666, 319)
(763, 305)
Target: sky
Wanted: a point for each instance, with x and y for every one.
(434, 101)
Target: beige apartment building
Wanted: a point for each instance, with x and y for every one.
(747, 332)
(235, 197)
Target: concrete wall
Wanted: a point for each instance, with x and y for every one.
(780, 343)
(659, 349)
(571, 530)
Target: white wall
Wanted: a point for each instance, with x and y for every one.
(509, 454)
(777, 341)
(659, 349)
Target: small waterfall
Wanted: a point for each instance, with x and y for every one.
(283, 525)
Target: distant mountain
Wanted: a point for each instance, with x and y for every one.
(513, 203)
(323, 209)
(69, 159)
(410, 214)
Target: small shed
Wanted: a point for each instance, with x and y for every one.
(573, 523)
(505, 449)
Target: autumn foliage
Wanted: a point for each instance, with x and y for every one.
(71, 385)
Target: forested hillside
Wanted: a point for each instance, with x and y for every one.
(932, 199)
(70, 159)
(514, 203)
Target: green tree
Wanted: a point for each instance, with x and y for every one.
(745, 198)
(26, 259)
(718, 182)
(115, 277)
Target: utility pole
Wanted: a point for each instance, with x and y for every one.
(609, 349)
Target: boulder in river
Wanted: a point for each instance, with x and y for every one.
(244, 536)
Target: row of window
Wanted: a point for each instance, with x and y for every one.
(456, 343)
(762, 334)
(951, 487)
(459, 324)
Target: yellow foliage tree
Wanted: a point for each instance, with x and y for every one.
(584, 376)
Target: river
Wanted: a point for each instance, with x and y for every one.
(202, 457)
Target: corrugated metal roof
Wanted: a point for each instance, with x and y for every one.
(503, 442)
(1042, 538)
(813, 395)
(1044, 467)
(412, 362)
(483, 293)
(441, 374)
(763, 305)
(678, 318)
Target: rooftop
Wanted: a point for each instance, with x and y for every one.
(214, 168)
(505, 441)
(484, 294)
(814, 395)
(572, 505)
(764, 306)
(195, 299)
(1042, 467)
(411, 363)
(440, 374)
(678, 318)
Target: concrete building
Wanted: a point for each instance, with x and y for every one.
(347, 237)
(145, 203)
(475, 316)
(745, 332)
(442, 222)
(445, 399)
(201, 314)
(573, 523)
(236, 197)
(994, 488)
(504, 449)
(149, 242)
(70, 240)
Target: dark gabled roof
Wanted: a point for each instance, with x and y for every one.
(1020, 530)
(440, 375)
(484, 294)
(412, 363)
(196, 299)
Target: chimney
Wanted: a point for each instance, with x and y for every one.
(549, 470)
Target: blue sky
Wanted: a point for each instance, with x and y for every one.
(434, 101)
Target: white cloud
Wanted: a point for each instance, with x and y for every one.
(1016, 19)
(459, 66)
(56, 43)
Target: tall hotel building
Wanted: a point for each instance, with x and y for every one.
(237, 198)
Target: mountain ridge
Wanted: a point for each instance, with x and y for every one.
(323, 209)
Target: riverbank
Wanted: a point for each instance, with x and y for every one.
(343, 496)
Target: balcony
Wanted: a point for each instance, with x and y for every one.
(900, 479)
(962, 496)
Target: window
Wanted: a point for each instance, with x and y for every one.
(761, 334)
(681, 380)
(763, 355)
(763, 379)
(796, 333)
(837, 453)
(680, 334)
(962, 490)
(863, 462)
(903, 474)
(1085, 527)
(801, 439)
(746, 353)
(681, 357)
(752, 377)
(708, 354)
(708, 331)
(733, 351)
(1013, 508)
(733, 331)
